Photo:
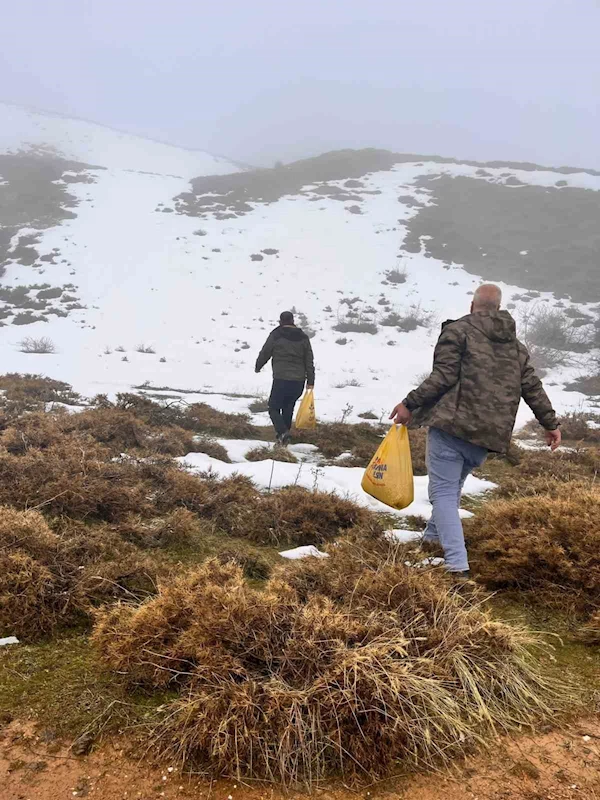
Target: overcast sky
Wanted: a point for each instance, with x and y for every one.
(261, 80)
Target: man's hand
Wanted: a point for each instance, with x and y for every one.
(309, 388)
(401, 415)
(553, 439)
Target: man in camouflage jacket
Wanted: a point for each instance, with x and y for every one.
(470, 402)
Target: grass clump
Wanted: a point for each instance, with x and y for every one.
(275, 453)
(353, 665)
(258, 406)
(21, 393)
(541, 543)
(396, 276)
(361, 441)
(356, 326)
(49, 579)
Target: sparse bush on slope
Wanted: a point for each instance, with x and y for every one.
(352, 665)
(47, 579)
(22, 393)
(276, 453)
(544, 543)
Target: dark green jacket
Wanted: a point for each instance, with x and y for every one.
(480, 372)
(292, 355)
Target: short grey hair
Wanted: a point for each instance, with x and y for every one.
(487, 297)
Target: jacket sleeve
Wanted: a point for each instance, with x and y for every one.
(309, 363)
(533, 393)
(266, 353)
(446, 370)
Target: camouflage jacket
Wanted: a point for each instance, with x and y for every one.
(480, 372)
(291, 352)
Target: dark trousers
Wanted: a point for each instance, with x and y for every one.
(284, 395)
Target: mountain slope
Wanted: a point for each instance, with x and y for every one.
(77, 140)
(373, 250)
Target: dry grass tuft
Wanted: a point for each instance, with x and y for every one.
(542, 543)
(49, 579)
(275, 453)
(352, 665)
(205, 419)
(590, 632)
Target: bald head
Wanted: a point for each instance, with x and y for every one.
(486, 298)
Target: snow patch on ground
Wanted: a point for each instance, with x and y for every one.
(343, 481)
(307, 551)
(237, 449)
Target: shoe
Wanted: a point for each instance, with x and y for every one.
(285, 439)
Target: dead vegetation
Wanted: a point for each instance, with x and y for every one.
(354, 665)
(276, 453)
(50, 579)
(541, 543)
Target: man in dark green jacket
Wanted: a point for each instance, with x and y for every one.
(293, 367)
(470, 403)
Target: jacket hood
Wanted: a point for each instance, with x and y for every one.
(291, 333)
(498, 326)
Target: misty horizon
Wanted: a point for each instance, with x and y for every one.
(260, 85)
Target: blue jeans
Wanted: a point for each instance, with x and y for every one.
(449, 462)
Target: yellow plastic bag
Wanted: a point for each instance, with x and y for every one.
(305, 418)
(389, 476)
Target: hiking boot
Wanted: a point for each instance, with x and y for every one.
(285, 439)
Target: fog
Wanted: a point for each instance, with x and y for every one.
(263, 81)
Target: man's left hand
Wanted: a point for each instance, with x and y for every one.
(401, 415)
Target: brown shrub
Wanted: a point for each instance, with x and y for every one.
(75, 478)
(540, 471)
(203, 418)
(276, 453)
(176, 528)
(122, 430)
(590, 632)
(51, 578)
(35, 430)
(253, 566)
(377, 667)
(204, 444)
(27, 531)
(22, 393)
(335, 438)
(540, 543)
(574, 427)
(291, 515)
(29, 596)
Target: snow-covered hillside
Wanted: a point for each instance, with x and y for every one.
(24, 129)
(129, 271)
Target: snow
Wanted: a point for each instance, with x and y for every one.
(8, 640)
(97, 145)
(343, 481)
(237, 449)
(401, 536)
(144, 277)
(306, 551)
